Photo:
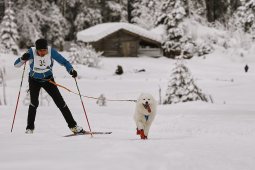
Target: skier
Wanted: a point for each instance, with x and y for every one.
(41, 62)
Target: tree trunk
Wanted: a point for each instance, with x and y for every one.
(216, 9)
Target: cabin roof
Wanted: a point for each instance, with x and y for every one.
(97, 32)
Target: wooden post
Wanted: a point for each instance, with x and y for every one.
(4, 84)
(1, 82)
(160, 102)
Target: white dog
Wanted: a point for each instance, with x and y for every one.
(144, 114)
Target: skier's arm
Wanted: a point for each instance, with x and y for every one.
(26, 56)
(61, 60)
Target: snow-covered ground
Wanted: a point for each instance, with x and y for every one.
(185, 136)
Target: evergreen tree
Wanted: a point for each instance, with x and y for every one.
(101, 101)
(8, 31)
(197, 7)
(74, 56)
(172, 16)
(85, 55)
(80, 14)
(182, 87)
(29, 29)
(136, 10)
(124, 10)
(217, 10)
(114, 11)
(93, 57)
(70, 9)
(244, 17)
(86, 18)
(129, 10)
(48, 22)
(58, 27)
(144, 12)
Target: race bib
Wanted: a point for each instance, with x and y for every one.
(42, 64)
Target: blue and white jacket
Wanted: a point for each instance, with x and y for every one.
(41, 67)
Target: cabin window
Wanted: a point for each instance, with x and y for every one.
(144, 44)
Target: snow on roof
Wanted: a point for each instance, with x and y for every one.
(100, 31)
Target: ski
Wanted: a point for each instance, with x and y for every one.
(88, 133)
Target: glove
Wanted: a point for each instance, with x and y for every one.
(25, 56)
(73, 73)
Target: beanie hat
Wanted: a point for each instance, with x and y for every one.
(41, 44)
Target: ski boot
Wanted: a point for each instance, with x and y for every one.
(29, 131)
(77, 129)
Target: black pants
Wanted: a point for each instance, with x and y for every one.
(34, 87)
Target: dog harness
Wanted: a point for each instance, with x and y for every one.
(146, 117)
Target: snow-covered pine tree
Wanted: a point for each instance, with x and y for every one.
(114, 11)
(9, 31)
(70, 9)
(172, 15)
(244, 17)
(29, 28)
(136, 10)
(101, 101)
(48, 22)
(93, 57)
(144, 13)
(181, 86)
(59, 27)
(197, 8)
(87, 18)
(124, 10)
(74, 56)
(85, 55)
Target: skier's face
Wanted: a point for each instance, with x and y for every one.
(42, 52)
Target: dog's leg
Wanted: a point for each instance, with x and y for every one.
(142, 135)
(138, 131)
(148, 125)
(147, 128)
(140, 125)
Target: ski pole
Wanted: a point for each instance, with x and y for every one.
(83, 107)
(17, 103)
